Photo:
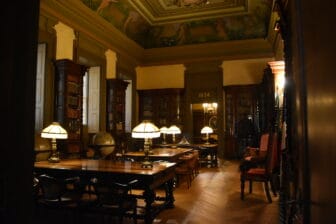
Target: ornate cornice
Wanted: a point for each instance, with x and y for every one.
(229, 50)
(78, 16)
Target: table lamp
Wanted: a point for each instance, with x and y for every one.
(147, 131)
(173, 130)
(207, 130)
(54, 131)
(164, 130)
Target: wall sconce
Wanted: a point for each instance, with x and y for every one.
(54, 131)
(210, 108)
(207, 130)
(173, 130)
(147, 131)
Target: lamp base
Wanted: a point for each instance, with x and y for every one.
(54, 158)
(147, 164)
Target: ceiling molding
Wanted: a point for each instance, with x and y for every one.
(229, 50)
(163, 12)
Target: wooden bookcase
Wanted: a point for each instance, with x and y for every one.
(68, 104)
(115, 106)
(164, 107)
(239, 102)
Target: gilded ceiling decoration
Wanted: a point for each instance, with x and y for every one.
(171, 11)
(164, 23)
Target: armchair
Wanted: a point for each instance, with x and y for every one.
(264, 173)
(255, 156)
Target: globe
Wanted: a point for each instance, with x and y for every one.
(104, 142)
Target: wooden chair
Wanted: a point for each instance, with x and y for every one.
(263, 174)
(188, 167)
(58, 192)
(57, 196)
(114, 199)
(253, 156)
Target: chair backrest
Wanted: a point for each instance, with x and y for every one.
(52, 188)
(272, 156)
(264, 142)
(110, 192)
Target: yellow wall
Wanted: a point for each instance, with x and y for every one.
(235, 72)
(244, 72)
(111, 61)
(65, 38)
(160, 77)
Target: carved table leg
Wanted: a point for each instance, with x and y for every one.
(149, 196)
(169, 186)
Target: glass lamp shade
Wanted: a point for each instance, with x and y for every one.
(164, 130)
(55, 131)
(145, 130)
(206, 130)
(174, 130)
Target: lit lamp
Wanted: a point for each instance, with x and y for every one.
(164, 130)
(147, 131)
(207, 130)
(54, 131)
(173, 130)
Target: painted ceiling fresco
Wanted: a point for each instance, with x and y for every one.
(164, 23)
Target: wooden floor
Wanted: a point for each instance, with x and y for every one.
(214, 198)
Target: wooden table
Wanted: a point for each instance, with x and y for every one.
(208, 153)
(165, 154)
(162, 173)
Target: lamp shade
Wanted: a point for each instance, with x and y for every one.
(55, 131)
(206, 130)
(174, 130)
(164, 130)
(145, 129)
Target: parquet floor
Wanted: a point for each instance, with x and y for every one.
(214, 198)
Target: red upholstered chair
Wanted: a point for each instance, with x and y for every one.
(265, 173)
(254, 157)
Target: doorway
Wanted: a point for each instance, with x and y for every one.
(204, 114)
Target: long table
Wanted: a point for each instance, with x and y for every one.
(166, 154)
(162, 173)
(207, 152)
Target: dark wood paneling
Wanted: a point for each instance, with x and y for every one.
(17, 88)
